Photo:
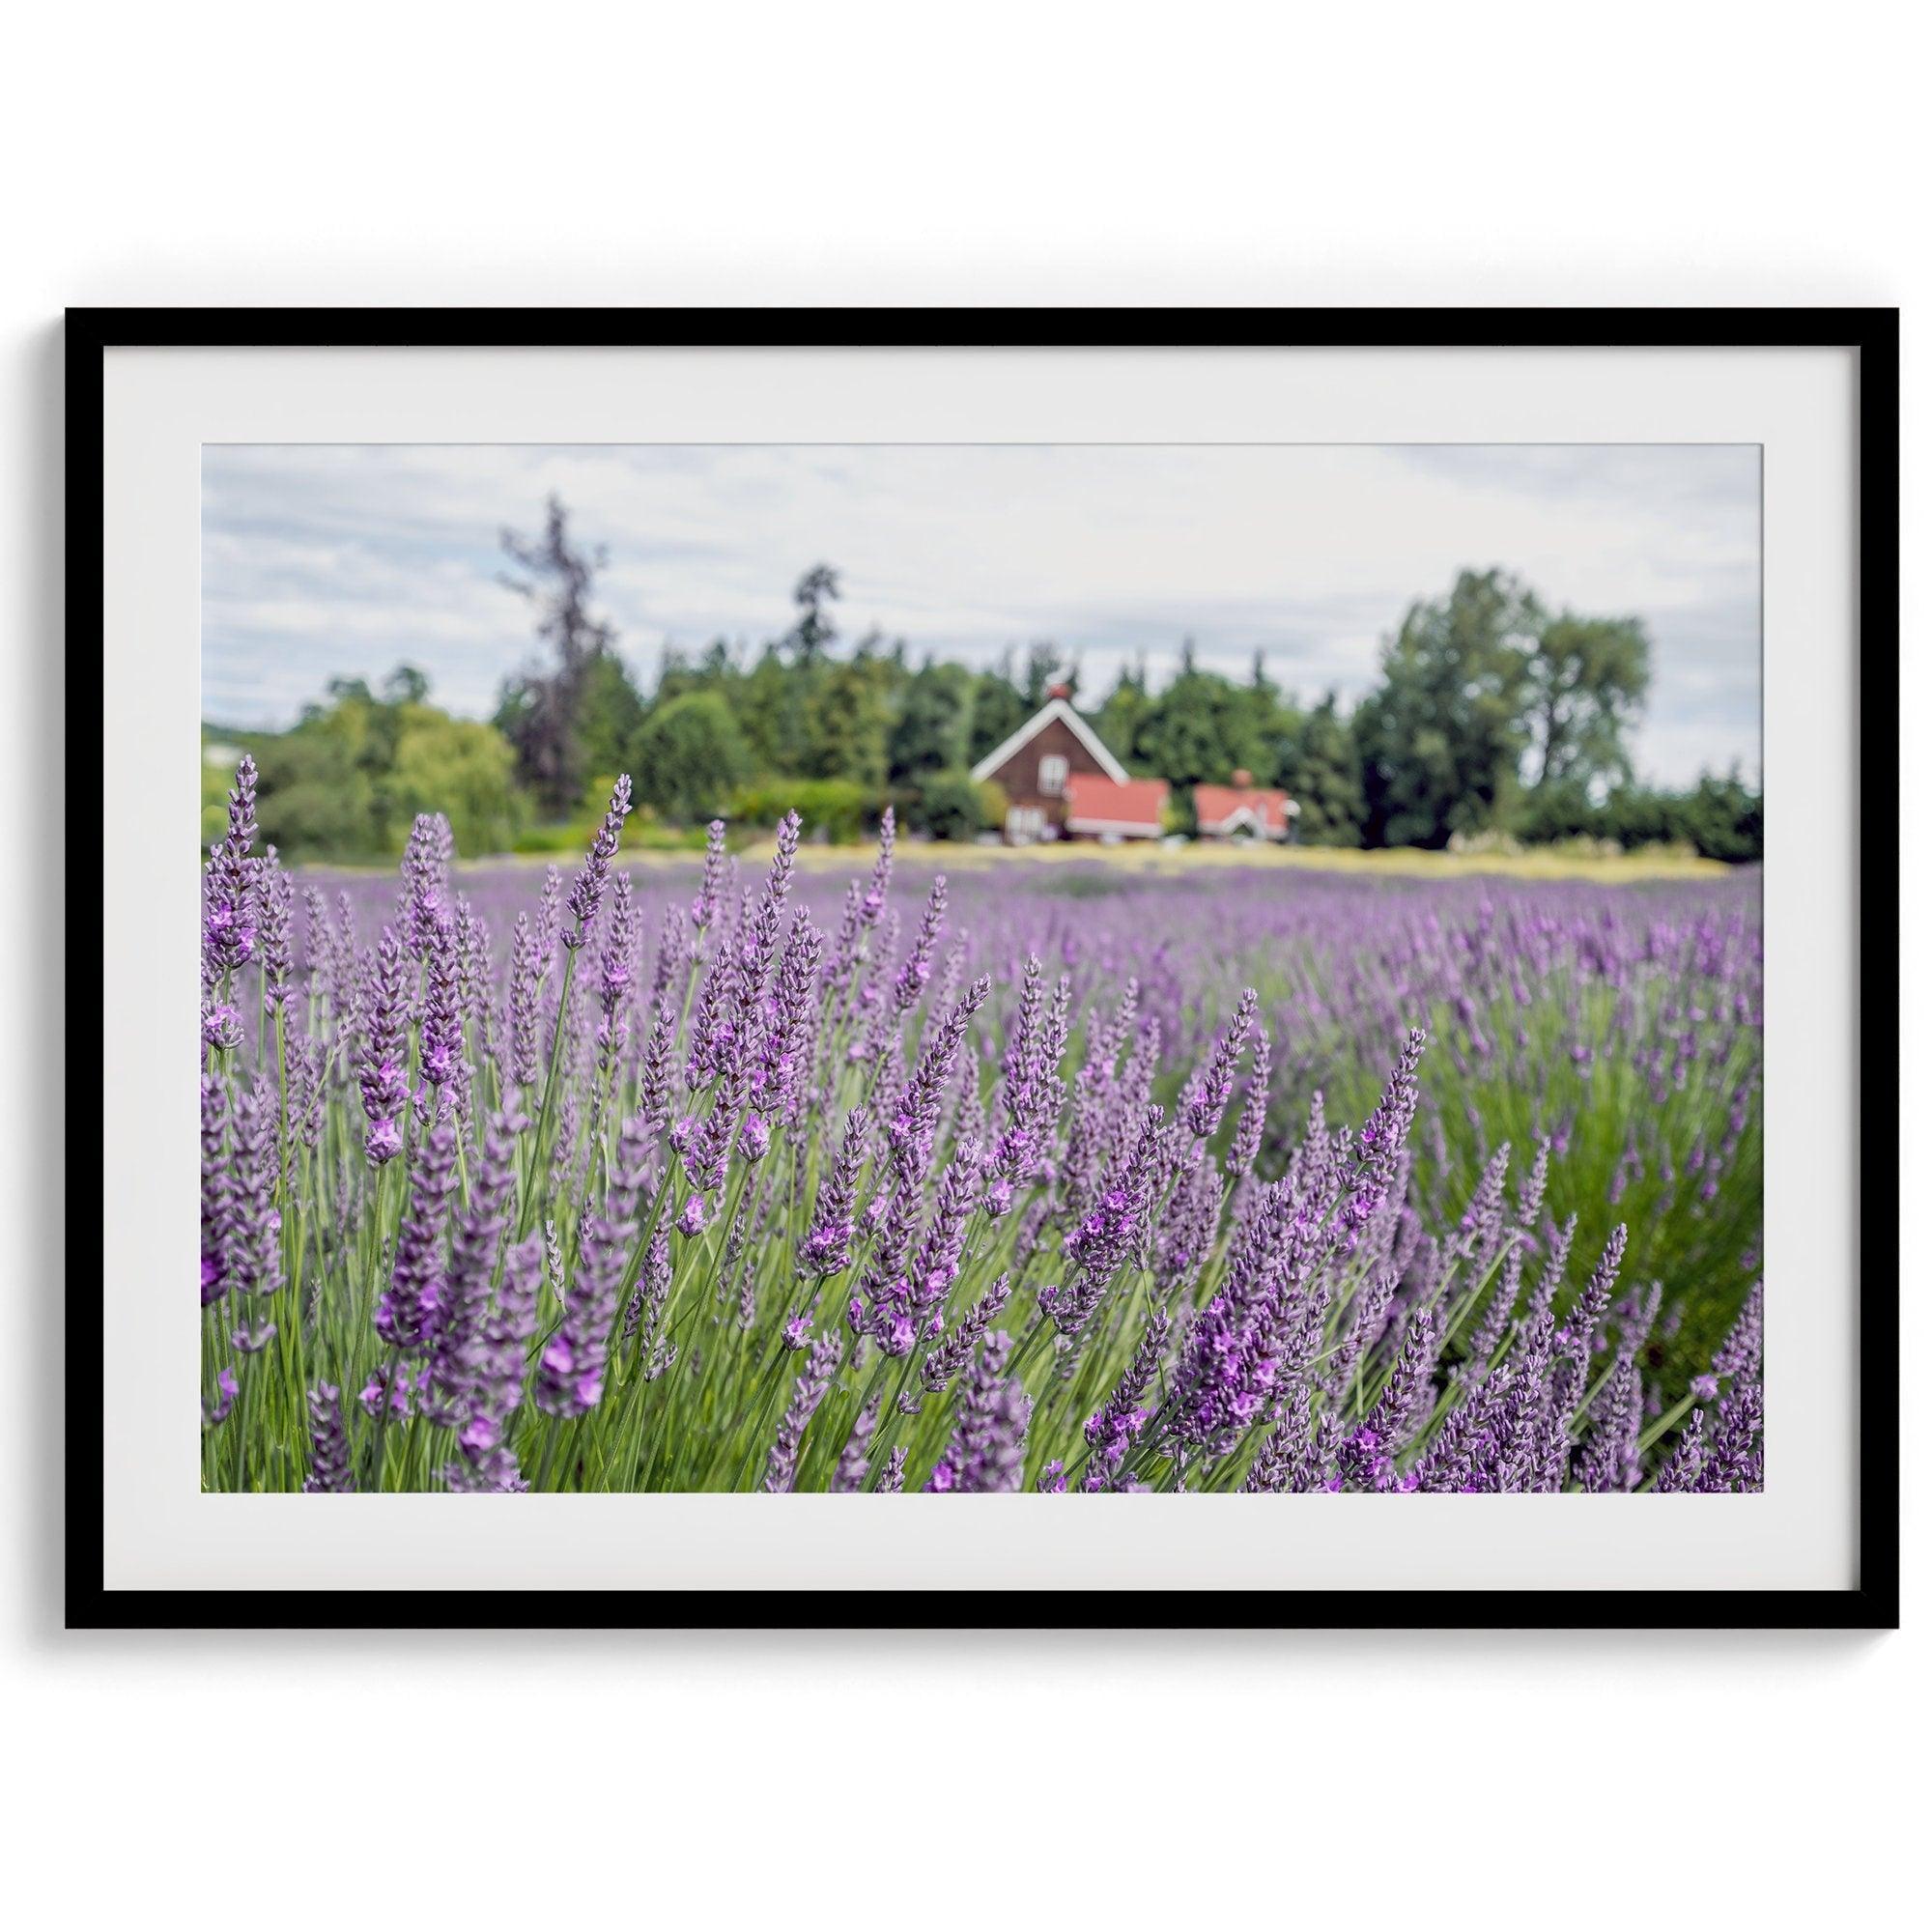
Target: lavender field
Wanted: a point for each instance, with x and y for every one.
(1060, 1178)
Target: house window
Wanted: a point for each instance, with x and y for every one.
(1052, 775)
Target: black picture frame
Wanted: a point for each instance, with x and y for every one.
(1872, 333)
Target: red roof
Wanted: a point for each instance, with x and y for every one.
(1215, 805)
(1095, 799)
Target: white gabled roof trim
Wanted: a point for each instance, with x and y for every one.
(1291, 808)
(1235, 817)
(1058, 708)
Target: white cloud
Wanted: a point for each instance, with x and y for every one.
(321, 561)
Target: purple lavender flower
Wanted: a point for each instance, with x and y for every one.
(777, 1084)
(988, 1452)
(915, 1116)
(530, 968)
(1608, 1463)
(1744, 1348)
(910, 986)
(586, 894)
(227, 1388)
(441, 1041)
(704, 907)
(328, 1453)
(1207, 1097)
(230, 901)
(849, 1477)
(827, 1248)
(463, 1300)
(278, 904)
(955, 1350)
(493, 1373)
(652, 1292)
(1679, 1476)
(1249, 1127)
(1580, 1335)
(426, 860)
(385, 1087)
(407, 1309)
(808, 1392)
(217, 1191)
(252, 1250)
(1111, 1430)
(1379, 1145)
(1107, 1238)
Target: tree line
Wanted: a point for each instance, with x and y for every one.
(1491, 714)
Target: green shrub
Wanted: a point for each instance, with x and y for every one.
(949, 805)
(836, 810)
(689, 758)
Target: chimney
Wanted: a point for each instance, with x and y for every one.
(1058, 691)
(1245, 779)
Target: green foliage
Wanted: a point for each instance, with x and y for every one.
(319, 797)
(1317, 766)
(350, 778)
(1200, 730)
(1717, 818)
(1441, 737)
(466, 771)
(1119, 718)
(930, 735)
(768, 712)
(949, 804)
(846, 715)
(689, 758)
(1725, 819)
(1588, 678)
(610, 712)
(998, 711)
(836, 811)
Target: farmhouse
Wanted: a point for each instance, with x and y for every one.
(1243, 811)
(1061, 782)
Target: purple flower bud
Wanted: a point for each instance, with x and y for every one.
(586, 894)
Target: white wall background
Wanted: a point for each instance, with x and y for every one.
(838, 152)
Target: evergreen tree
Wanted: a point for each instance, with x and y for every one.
(930, 734)
(812, 635)
(770, 716)
(1042, 673)
(998, 710)
(1319, 769)
(1118, 719)
(845, 720)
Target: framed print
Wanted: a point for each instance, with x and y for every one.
(1139, 968)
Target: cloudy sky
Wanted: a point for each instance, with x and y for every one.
(322, 560)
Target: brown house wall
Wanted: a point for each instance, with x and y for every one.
(1020, 776)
